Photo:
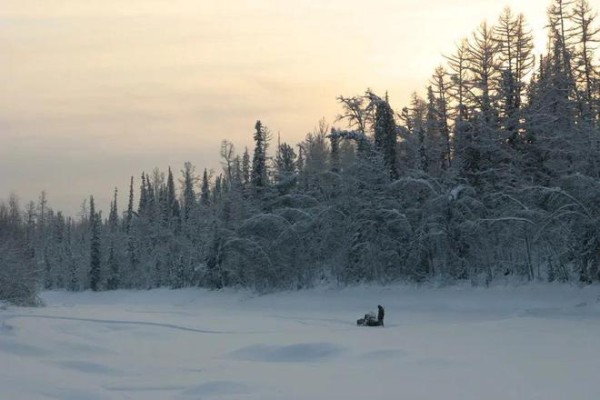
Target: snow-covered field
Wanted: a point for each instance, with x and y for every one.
(530, 342)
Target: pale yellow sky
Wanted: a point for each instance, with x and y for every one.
(94, 91)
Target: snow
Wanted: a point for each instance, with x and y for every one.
(528, 342)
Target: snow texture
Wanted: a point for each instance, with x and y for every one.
(531, 342)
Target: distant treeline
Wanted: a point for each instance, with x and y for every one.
(494, 173)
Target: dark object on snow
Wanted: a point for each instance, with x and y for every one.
(370, 320)
(365, 320)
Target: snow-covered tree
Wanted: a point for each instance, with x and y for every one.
(95, 282)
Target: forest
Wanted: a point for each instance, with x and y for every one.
(492, 174)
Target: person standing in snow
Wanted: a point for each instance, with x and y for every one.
(380, 315)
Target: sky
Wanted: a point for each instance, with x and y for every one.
(96, 91)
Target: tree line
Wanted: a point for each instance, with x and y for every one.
(494, 173)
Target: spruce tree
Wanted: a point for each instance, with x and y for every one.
(433, 135)
(113, 280)
(189, 193)
(132, 259)
(385, 132)
(113, 216)
(143, 203)
(129, 215)
(285, 163)
(334, 145)
(259, 159)
(440, 89)
(246, 167)
(205, 189)
(300, 162)
(217, 191)
(95, 260)
(173, 209)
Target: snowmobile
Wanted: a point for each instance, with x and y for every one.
(369, 320)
